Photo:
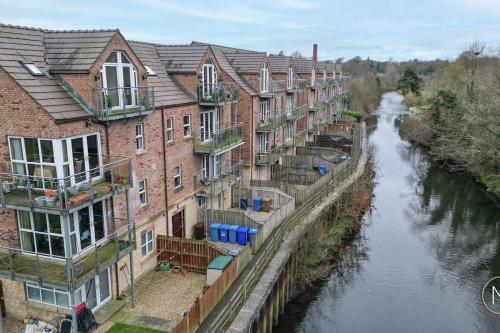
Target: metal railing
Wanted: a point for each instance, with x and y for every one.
(44, 194)
(28, 266)
(217, 93)
(118, 103)
(270, 123)
(273, 87)
(298, 84)
(230, 173)
(269, 156)
(254, 270)
(206, 142)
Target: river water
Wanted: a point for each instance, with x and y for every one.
(423, 256)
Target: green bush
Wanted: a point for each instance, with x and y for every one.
(355, 114)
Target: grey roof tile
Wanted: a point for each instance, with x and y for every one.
(279, 63)
(302, 65)
(167, 92)
(181, 58)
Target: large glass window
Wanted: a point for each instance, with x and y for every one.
(41, 233)
(264, 78)
(208, 78)
(209, 124)
(119, 81)
(264, 113)
(49, 159)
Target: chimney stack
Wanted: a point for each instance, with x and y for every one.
(315, 53)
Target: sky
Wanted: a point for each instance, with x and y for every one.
(379, 29)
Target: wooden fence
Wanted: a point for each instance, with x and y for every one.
(208, 300)
(191, 255)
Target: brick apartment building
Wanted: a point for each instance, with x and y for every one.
(107, 143)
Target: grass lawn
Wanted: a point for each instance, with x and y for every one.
(126, 328)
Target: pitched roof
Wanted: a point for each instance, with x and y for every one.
(75, 51)
(245, 62)
(167, 93)
(219, 52)
(22, 44)
(181, 58)
(302, 65)
(279, 63)
(327, 65)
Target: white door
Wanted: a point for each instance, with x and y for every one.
(209, 78)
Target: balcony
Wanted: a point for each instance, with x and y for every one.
(274, 87)
(297, 140)
(297, 85)
(229, 175)
(271, 123)
(20, 265)
(220, 141)
(297, 112)
(119, 103)
(217, 94)
(270, 156)
(57, 195)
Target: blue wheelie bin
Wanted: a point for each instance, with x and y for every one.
(242, 235)
(233, 233)
(224, 233)
(251, 235)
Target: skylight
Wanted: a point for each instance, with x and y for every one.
(149, 71)
(31, 67)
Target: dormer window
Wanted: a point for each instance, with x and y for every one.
(119, 81)
(264, 78)
(208, 78)
(149, 71)
(32, 68)
(290, 77)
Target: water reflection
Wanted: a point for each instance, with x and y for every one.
(434, 241)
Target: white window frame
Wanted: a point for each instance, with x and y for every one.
(139, 136)
(264, 113)
(208, 78)
(264, 142)
(178, 175)
(120, 64)
(170, 130)
(143, 192)
(290, 77)
(187, 126)
(48, 233)
(264, 78)
(147, 243)
(209, 124)
(63, 160)
(47, 290)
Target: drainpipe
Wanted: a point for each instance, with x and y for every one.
(111, 201)
(164, 153)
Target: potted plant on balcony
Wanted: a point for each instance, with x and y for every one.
(109, 104)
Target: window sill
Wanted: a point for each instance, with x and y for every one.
(148, 257)
(178, 189)
(140, 152)
(46, 307)
(170, 143)
(143, 206)
(188, 138)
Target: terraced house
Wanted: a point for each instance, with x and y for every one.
(107, 143)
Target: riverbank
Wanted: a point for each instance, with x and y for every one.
(427, 247)
(321, 247)
(420, 127)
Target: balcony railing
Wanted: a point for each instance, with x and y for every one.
(271, 123)
(230, 174)
(297, 139)
(298, 85)
(215, 142)
(118, 103)
(218, 93)
(47, 194)
(269, 156)
(273, 87)
(297, 112)
(319, 83)
(26, 266)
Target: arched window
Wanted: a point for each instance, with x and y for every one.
(264, 78)
(290, 77)
(119, 81)
(208, 78)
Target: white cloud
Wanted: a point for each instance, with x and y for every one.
(297, 4)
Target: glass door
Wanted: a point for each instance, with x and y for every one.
(96, 291)
(89, 226)
(209, 78)
(83, 156)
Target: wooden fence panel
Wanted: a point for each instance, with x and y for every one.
(191, 255)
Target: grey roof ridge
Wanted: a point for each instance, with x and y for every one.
(226, 47)
(53, 30)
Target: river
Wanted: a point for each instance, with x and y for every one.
(423, 256)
